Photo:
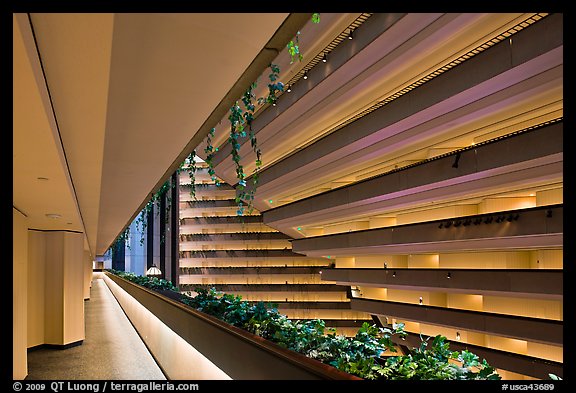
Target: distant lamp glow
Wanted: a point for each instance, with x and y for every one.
(289, 89)
(420, 300)
(53, 215)
(305, 75)
(324, 58)
(351, 35)
(153, 271)
(458, 336)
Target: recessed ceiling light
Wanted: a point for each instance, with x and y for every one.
(53, 215)
(42, 178)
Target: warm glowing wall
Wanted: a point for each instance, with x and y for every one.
(19, 295)
(177, 358)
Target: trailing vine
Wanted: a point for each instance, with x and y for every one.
(121, 239)
(240, 120)
(236, 131)
(192, 174)
(294, 45)
(210, 150)
(142, 220)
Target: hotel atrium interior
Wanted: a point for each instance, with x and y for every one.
(395, 169)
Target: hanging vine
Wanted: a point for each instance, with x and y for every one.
(210, 150)
(122, 238)
(192, 173)
(240, 120)
(236, 131)
(142, 220)
(294, 45)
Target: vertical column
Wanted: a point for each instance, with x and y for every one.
(136, 248)
(19, 295)
(56, 288)
(87, 264)
(118, 255)
(174, 230)
(162, 232)
(64, 293)
(150, 238)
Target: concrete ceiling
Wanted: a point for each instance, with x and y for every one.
(107, 105)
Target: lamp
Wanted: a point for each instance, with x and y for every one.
(351, 35)
(153, 271)
(305, 75)
(324, 58)
(289, 89)
(455, 164)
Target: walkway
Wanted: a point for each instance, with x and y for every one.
(112, 349)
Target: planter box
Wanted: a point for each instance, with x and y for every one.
(236, 352)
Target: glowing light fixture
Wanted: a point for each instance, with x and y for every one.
(305, 75)
(324, 58)
(153, 271)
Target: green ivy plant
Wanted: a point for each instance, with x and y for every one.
(241, 120)
(294, 45)
(153, 283)
(210, 151)
(123, 237)
(192, 174)
(142, 220)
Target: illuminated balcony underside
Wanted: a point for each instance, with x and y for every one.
(533, 229)
(270, 253)
(430, 111)
(312, 305)
(472, 74)
(227, 237)
(527, 159)
(208, 203)
(221, 220)
(229, 288)
(540, 283)
(209, 271)
(531, 329)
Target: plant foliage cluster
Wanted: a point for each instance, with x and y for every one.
(359, 355)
